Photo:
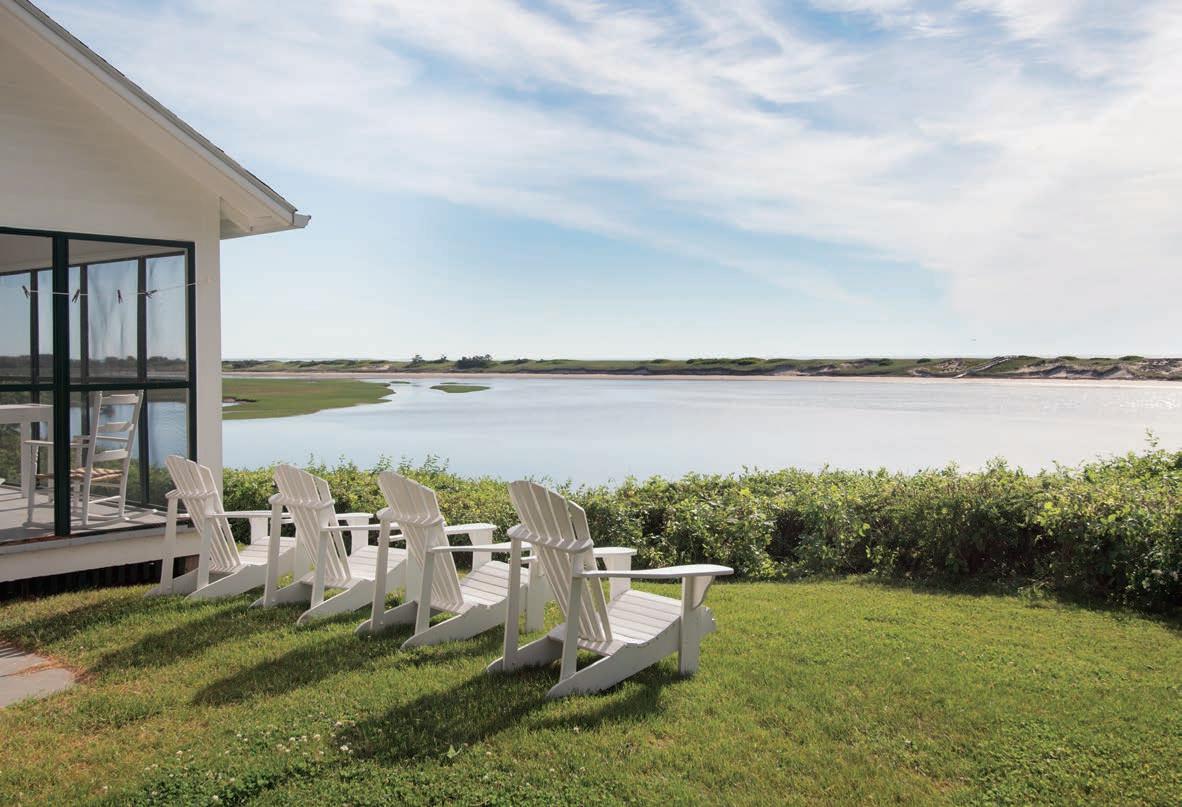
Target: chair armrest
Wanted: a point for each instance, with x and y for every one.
(464, 529)
(613, 552)
(357, 528)
(285, 518)
(695, 579)
(666, 573)
(499, 548)
(473, 548)
(393, 539)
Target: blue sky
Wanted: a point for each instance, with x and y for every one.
(685, 178)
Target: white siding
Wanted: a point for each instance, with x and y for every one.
(65, 165)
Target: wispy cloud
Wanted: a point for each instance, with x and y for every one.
(1024, 150)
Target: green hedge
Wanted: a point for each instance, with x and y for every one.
(1109, 530)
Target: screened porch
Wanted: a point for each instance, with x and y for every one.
(97, 381)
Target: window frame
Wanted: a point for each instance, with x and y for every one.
(63, 386)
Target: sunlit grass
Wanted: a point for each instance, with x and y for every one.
(821, 693)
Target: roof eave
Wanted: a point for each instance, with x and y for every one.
(232, 229)
(284, 214)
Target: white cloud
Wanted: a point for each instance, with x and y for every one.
(1025, 150)
(1028, 19)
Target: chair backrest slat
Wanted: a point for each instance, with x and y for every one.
(416, 509)
(199, 493)
(310, 503)
(561, 539)
(106, 429)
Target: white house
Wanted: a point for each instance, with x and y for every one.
(112, 210)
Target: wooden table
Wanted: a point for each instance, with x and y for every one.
(26, 415)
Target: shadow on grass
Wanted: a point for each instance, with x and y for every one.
(230, 620)
(432, 725)
(641, 698)
(308, 665)
(105, 612)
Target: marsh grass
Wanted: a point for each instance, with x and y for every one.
(286, 397)
(460, 388)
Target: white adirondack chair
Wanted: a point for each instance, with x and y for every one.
(223, 568)
(321, 561)
(477, 601)
(630, 631)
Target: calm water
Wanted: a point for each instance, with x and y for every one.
(596, 430)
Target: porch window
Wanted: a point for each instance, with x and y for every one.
(82, 317)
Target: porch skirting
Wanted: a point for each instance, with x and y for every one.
(110, 558)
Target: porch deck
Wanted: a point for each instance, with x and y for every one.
(31, 551)
(13, 528)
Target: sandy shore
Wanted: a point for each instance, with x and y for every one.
(475, 378)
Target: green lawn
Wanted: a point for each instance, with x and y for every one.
(817, 693)
(283, 397)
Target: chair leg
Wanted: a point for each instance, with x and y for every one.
(570, 641)
(537, 594)
(169, 556)
(318, 572)
(123, 496)
(30, 455)
(695, 623)
(86, 497)
(423, 615)
(203, 559)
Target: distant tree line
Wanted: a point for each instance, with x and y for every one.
(476, 362)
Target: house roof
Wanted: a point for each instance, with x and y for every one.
(270, 211)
